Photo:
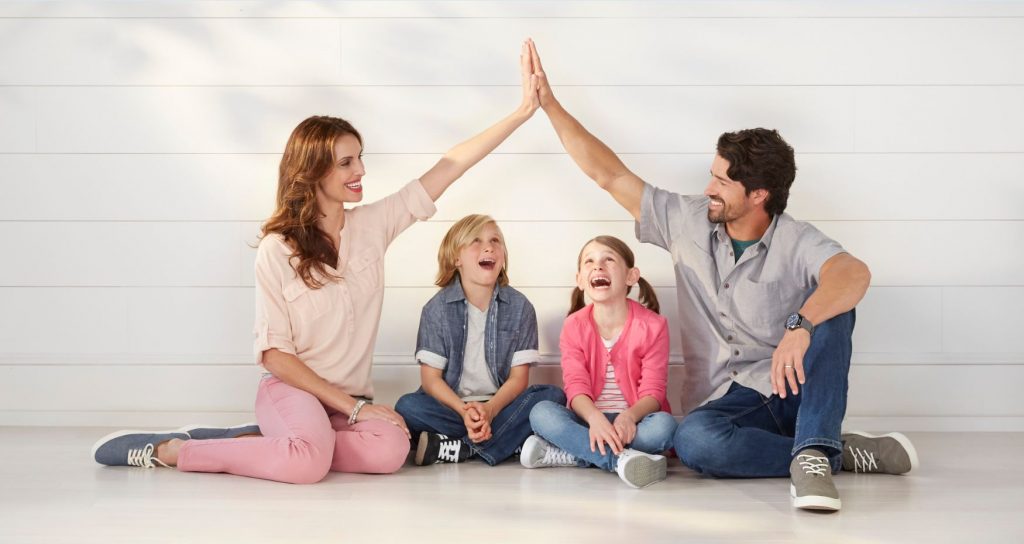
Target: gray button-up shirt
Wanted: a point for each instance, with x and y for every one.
(732, 313)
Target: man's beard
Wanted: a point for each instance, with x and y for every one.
(722, 215)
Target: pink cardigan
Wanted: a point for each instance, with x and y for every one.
(640, 356)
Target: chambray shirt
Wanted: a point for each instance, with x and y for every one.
(510, 333)
(732, 313)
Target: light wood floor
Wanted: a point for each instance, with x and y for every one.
(970, 488)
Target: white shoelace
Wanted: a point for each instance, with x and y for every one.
(813, 465)
(448, 450)
(144, 458)
(863, 460)
(557, 456)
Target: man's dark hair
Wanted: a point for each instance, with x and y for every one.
(760, 159)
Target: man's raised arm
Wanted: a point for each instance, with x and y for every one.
(592, 156)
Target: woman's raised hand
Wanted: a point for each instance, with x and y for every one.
(544, 92)
(531, 100)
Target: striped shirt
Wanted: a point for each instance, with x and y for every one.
(611, 399)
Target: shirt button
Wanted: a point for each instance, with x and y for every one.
(722, 314)
(734, 373)
(737, 352)
(730, 254)
(726, 285)
(729, 338)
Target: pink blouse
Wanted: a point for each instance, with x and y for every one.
(333, 329)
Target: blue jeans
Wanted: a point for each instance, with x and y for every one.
(563, 428)
(747, 435)
(509, 429)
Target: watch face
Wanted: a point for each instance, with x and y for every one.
(793, 321)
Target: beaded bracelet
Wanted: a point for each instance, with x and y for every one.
(355, 411)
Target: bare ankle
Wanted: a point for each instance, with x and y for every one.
(167, 452)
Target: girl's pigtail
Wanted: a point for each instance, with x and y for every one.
(647, 296)
(577, 302)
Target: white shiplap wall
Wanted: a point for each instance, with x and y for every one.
(139, 143)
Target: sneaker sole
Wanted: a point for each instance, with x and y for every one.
(116, 434)
(814, 502)
(421, 449)
(185, 429)
(526, 454)
(899, 437)
(644, 471)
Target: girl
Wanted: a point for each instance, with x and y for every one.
(319, 290)
(476, 341)
(615, 370)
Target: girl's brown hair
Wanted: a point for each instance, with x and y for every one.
(308, 158)
(459, 236)
(647, 296)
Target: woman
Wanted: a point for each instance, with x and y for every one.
(319, 291)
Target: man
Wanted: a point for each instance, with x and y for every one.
(766, 305)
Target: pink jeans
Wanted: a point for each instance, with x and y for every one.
(302, 440)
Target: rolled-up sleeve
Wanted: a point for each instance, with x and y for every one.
(273, 329)
(654, 366)
(410, 204)
(653, 225)
(431, 348)
(813, 248)
(665, 216)
(526, 351)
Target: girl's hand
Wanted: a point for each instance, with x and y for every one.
(383, 413)
(531, 100)
(625, 427)
(602, 432)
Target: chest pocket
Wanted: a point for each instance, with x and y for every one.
(763, 306)
(305, 304)
(365, 270)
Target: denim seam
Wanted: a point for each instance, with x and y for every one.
(771, 412)
(750, 410)
(473, 448)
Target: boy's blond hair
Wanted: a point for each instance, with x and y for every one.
(459, 236)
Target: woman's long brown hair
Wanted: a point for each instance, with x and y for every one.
(308, 158)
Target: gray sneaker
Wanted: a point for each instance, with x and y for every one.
(132, 448)
(209, 432)
(539, 453)
(811, 482)
(639, 469)
(886, 454)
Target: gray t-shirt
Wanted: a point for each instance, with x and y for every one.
(475, 382)
(732, 313)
